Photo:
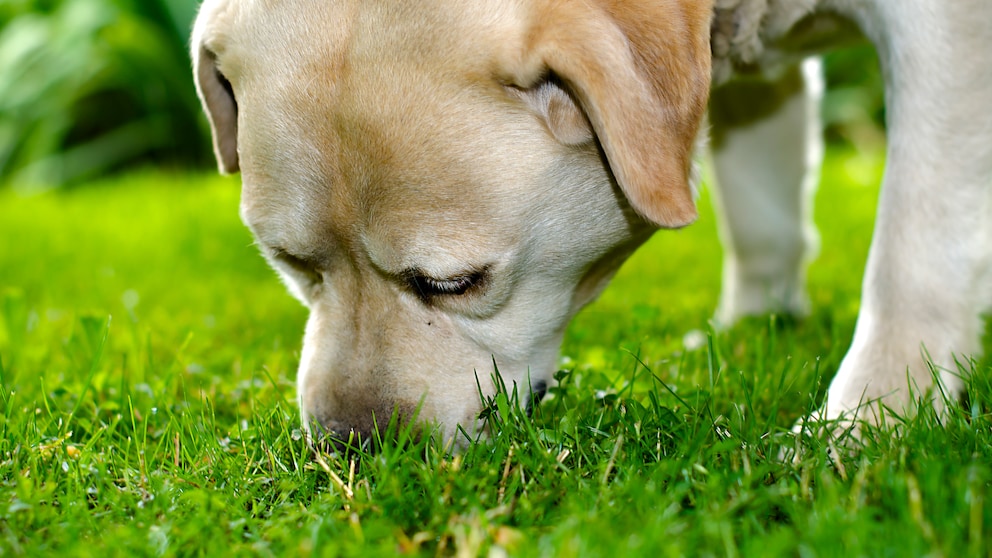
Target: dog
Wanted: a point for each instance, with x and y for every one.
(445, 184)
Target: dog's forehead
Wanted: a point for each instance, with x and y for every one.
(347, 54)
(370, 121)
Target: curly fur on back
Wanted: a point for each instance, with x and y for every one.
(742, 28)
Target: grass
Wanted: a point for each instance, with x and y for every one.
(147, 409)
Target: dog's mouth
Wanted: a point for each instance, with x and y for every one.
(332, 438)
(537, 393)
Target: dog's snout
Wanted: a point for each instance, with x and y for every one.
(358, 428)
(341, 437)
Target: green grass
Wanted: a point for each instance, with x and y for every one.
(147, 408)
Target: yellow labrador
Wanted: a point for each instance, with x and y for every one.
(446, 183)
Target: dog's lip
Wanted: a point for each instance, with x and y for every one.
(537, 393)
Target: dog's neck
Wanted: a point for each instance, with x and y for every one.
(743, 29)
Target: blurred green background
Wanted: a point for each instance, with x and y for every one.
(93, 87)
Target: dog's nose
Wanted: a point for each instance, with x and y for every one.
(341, 438)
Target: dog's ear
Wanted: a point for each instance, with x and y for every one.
(640, 71)
(216, 95)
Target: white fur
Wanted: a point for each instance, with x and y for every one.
(766, 176)
(741, 29)
(927, 279)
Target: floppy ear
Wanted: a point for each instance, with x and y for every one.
(218, 101)
(641, 72)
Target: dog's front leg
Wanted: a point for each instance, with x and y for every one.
(767, 149)
(927, 278)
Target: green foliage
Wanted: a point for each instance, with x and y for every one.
(92, 86)
(171, 429)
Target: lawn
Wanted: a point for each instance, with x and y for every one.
(147, 408)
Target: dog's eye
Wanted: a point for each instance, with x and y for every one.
(428, 287)
(301, 266)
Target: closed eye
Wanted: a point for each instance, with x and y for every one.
(428, 288)
(302, 266)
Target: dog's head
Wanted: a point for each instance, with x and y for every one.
(445, 183)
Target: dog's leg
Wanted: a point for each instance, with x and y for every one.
(928, 273)
(767, 148)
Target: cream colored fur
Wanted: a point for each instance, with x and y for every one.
(743, 29)
(445, 184)
(389, 146)
(927, 279)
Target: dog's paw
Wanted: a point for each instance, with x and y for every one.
(838, 438)
(745, 296)
(885, 380)
(868, 399)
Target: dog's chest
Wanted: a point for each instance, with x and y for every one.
(760, 36)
